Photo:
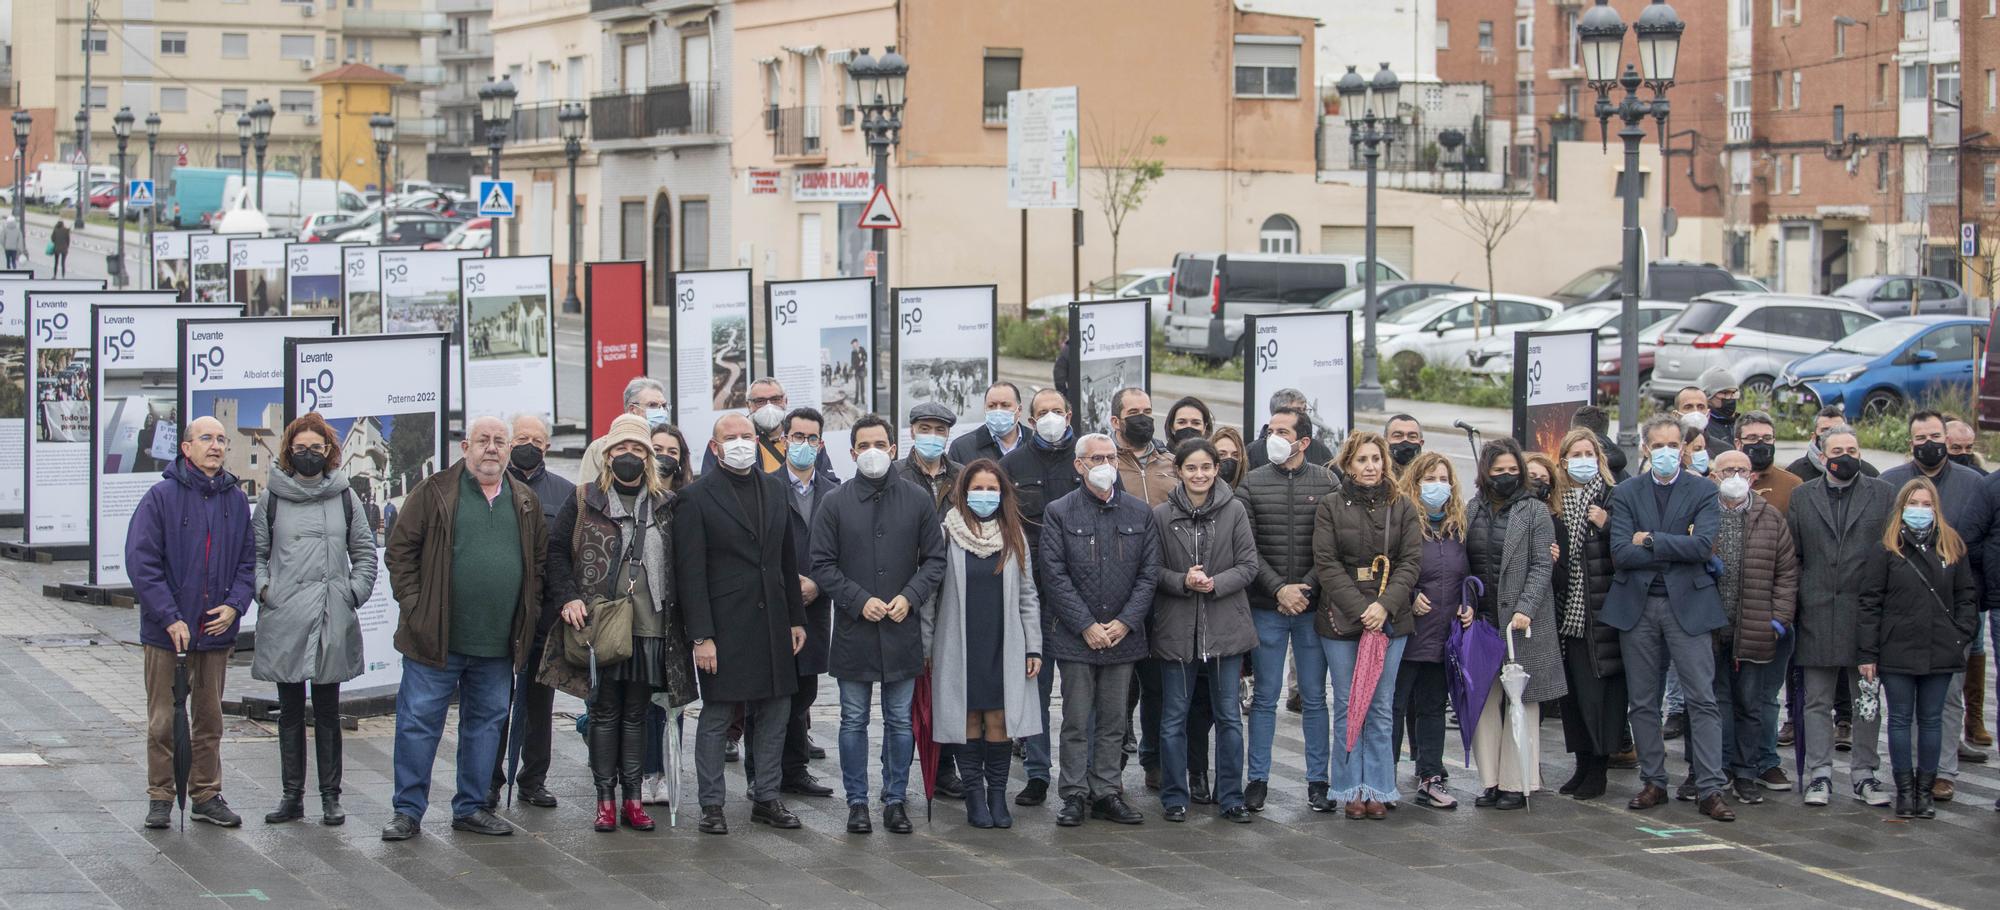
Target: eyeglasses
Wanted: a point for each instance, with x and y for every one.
(315, 448)
(760, 401)
(1733, 472)
(1765, 439)
(1095, 460)
(212, 439)
(804, 439)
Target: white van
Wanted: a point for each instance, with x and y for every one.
(288, 200)
(50, 178)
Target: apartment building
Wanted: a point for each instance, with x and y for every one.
(549, 50)
(465, 54)
(1978, 202)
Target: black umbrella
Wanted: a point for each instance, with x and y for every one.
(514, 731)
(183, 740)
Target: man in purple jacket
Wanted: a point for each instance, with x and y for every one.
(192, 561)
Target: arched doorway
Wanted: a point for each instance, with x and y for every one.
(662, 250)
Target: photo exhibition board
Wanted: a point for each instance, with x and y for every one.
(1310, 352)
(420, 294)
(312, 278)
(1109, 350)
(1555, 373)
(943, 347)
(171, 270)
(820, 346)
(709, 327)
(208, 266)
(507, 337)
(361, 288)
(257, 275)
(614, 327)
(14, 410)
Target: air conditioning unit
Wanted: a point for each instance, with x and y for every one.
(306, 64)
(307, 11)
(312, 119)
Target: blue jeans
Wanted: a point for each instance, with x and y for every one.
(1036, 752)
(897, 743)
(1276, 631)
(1368, 772)
(484, 685)
(1920, 698)
(1177, 687)
(1772, 678)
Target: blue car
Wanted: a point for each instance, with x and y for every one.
(1888, 365)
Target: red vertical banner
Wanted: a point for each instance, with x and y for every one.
(614, 331)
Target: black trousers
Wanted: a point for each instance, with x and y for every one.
(292, 736)
(1422, 689)
(617, 736)
(536, 711)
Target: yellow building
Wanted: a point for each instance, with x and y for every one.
(349, 95)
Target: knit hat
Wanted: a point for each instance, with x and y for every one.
(628, 428)
(1716, 379)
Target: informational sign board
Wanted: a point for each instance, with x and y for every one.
(14, 410)
(945, 349)
(614, 333)
(384, 396)
(1309, 352)
(1109, 350)
(709, 330)
(312, 278)
(1555, 373)
(832, 184)
(361, 287)
(61, 387)
(208, 262)
(257, 275)
(819, 348)
(507, 349)
(136, 410)
(1042, 148)
(420, 294)
(171, 270)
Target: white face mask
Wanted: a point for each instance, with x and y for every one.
(1735, 488)
(872, 463)
(1103, 477)
(1278, 448)
(767, 417)
(1695, 420)
(1051, 427)
(739, 454)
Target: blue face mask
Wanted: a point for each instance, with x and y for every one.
(929, 446)
(1435, 494)
(656, 416)
(1699, 462)
(1918, 518)
(802, 455)
(999, 422)
(983, 503)
(1582, 469)
(1665, 462)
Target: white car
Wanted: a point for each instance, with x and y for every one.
(1752, 335)
(1495, 356)
(1151, 284)
(1441, 330)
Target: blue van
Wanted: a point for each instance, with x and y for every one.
(192, 195)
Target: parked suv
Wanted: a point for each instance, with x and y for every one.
(1752, 335)
(1212, 293)
(1666, 279)
(1889, 295)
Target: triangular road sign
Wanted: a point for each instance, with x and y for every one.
(880, 213)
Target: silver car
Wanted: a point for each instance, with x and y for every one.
(1891, 295)
(1751, 335)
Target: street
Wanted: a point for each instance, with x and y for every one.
(87, 249)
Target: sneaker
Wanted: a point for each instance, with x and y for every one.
(1687, 792)
(159, 813)
(1432, 792)
(731, 752)
(216, 812)
(1819, 792)
(1774, 779)
(1870, 791)
(1316, 799)
(1253, 795)
(1843, 736)
(650, 789)
(1746, 791)
(1675, 727)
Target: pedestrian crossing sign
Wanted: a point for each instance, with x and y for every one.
(496, 198)
(139, 194)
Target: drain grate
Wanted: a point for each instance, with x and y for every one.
(60, 641)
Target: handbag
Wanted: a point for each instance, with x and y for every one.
(606, 636)
(49, 249)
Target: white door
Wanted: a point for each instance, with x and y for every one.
(810, 241)
(632, 68)
(809, 80)
(543, 218)
(1799, 268)
(694, 58)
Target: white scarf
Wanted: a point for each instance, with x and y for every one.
(982, 542)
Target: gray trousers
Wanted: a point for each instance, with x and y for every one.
(1818, 732)
(1093, 727)
(1952, 734)
(1648, 649)
(766, 747)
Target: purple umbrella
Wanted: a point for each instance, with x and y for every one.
(1476, 653)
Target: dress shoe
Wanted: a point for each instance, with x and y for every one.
(607, 816)
(1774, 779)
(402, 827)
(1971, 754)
(773, 813)
(291, 808)
(1843, 736)
(1649, 796)
(1746, 791)
(1582, 765)
(1316, 798)
(1174, 813)
(1253, 795)
(482, 821)
(1715, 807)
(216, 812)
(1113, 809)
(949, 785)
(732, 752)
(1624, 760)
(1153, 779)
(1034, 794)
(712, 821)
(805, 784)
(537, 796)
(1377, 811)
(1593, 784)
(159, 813)
(1511, 800)
(1072, 812)
(896, 819)
(814, 750)
(1937, 788)
(1486, 798)
(858, 821)
(1786, 733)
(1357, 810)
(1199, 791)
(1238, 814)
(636, 817)
(1675, 726)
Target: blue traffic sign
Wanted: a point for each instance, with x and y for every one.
(496, 198)
(139, 194)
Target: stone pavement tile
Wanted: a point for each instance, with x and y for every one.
(1129, 895)
(1059, 871)
(62, 900)
(730, 901)
(376, 890)
(877, 879)
(939, 898)
(1014, 886)
(817, 896)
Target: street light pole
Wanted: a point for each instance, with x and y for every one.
(121, 128)
(496, 105)
(24, 125)
(572, 118)
(383, 127)
(83, 154)
(881, 84)
(260, 131)
(1370, 108)
(242, 156)
(152, 173)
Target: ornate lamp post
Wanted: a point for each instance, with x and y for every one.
(242, 153)
(572, 118)
(1370, 108)
(496, 106)
(82, 170)
(880, 85)
(383, 127)
(152, 173)
(24, 124)
(121, 128)
(260, 132)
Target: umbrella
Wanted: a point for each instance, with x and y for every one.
(514, 731)
(1474, 653)
(1796, 680)
(927, 748)
(1514, 679)
(183, 740)
(1368, 660)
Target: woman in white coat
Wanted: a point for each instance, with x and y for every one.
(984, 637)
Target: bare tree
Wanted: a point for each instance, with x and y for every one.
(1126, 175)
(1487, 219)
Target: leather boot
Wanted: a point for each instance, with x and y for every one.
(607, 810)
(999, 764)
(292, 765)
(631, 759)
(1593, 784)
(1906, 791)
(1576, 777)
(326, 752)
(1975, 701)
(972, 776)
(602, 735)
(1924, 804)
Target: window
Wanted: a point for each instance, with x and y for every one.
(1524, 34)
(1840, 123)
(100, 97)
(694, 233)
(1279, 234)
(1001, 74)
(235, 45)
(631, 230)
(1486, 34)
(1798, 171)
(1573, 100)
(1267, 66)
(1882, 83)
(1950, 343)
(1916, 82)
(1778, 174)
(1524, 98)
(573, 72)
(1777, 91)
(173, 100)
(229, 162)
(1444, 34)
(1798, 88)
(1987, 183)
(235, 100)
(332, 52)
(295, 47)
(1882, 172)
(173, 44)
(1839, 41)
(1992, 91)
(1942, 8)
(1742, 13)
(98, 41)
(1739, 93)
(1947, 83)
(292, 101)
(1569, 35)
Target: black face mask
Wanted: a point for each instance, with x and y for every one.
(308, 464)
(1503, 485)
(1966, 458)
(1403, 453)
(1929, 454)
(1538, 490)
(1226, 468)
(1843, 467)
(1184, 434)
(525, 458)
(670, 467)
(1139, 429)
(628, 469)
(1723, 411)
(1761, 454)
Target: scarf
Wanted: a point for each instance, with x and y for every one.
(1730, 544)
(982, 542)
(1576, 502)
(654, 553)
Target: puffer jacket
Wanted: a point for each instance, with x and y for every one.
(1353, 527)
(1188, 626)
(1100, 562)
(1916, 615)
(1042, 474)
(315, 568)
(1283, 507)
(1441, 577)
(188, 549)
(1601, 640)
(1770, 584)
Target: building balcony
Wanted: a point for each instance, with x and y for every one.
(458, 93)
(420, 128)
(419, 77)
(469, 46)
(683, 109)
(535, 123)
(615, 10)
(795, 132)
(391, 23)
(464, 6)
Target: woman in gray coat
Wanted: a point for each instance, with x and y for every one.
(315, 567)
(1201, 615)
(983, 635)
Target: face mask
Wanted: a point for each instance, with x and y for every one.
(1504, 485)
(1929, 454)
(1403, 453)
(1538, 490)
(929, 446)
(766, 418)
(802, 455)
(309, 464)
(1434, 493)
(999, 422)
(670, 467)
(1226, 468)
(1735, 488)
(627, 469)
(983, 503)
(1695, 420)
(1843, 467)
(524, 457)
(1278, 448)
(872, 463)
(1919, 518)
(1724, 410)
(1581, 468)
(656, 416)
(1665, 462)
(1699, 462)
(1186, 433)
(1052, 427)
(739, 454)
(1967, 458)
(1102, 477)
(1138, 429)
(1761, 454)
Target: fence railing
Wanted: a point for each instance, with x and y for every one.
(795, 131)
(664, 110)
(1410, 148)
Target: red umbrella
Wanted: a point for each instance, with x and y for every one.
(1368, 662)
(920, 730)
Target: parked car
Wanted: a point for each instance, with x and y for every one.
(470, 235)
(1666, 279)
(1888, 365)
(1495, 356)
(1212, 292)
(285, 201)
(103, 195)
(1890, 295)
(1442, 329)
(330, 227)
(1390, 296)
(1611, 360)
(1753, 335)
(403, 230)
(1151, 284)
(64, 197)
(1749, 285)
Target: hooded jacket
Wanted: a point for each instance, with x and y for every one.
(1189, 626)
(188, 551)
(315, 568)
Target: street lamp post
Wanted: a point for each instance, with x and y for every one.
(881, 83)
(572, 118)
(121, 128)
(24, 124)
(1370, 108)
(152, 173)
(383, 127)
(82, 169)
(1453, 143)
(242, 154)
(496, 106)
(1657, 33)
(260, 132)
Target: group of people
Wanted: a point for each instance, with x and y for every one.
(1150, 567)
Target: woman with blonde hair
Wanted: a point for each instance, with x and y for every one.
(1430, 485)
(1541, 479)
(1919, 608)
(1593, 714)
(1230, 465)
